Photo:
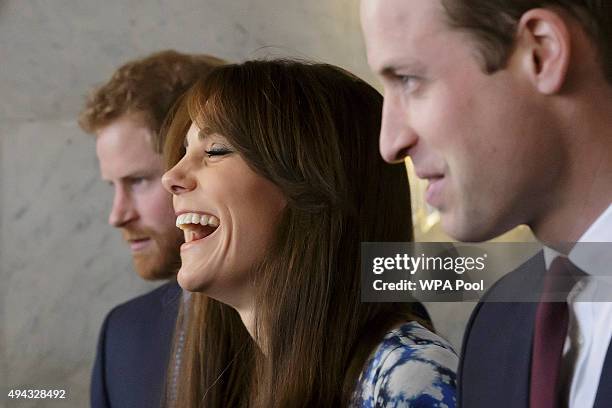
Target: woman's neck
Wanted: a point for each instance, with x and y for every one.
(247, 315)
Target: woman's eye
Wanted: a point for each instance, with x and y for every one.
(218, 151)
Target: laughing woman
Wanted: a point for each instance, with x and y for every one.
(279, 181)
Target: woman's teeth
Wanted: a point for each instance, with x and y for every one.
(196, 226)
(183, 220)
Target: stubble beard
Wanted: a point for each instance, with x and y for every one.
(162, 260)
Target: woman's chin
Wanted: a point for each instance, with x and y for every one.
(188, 280)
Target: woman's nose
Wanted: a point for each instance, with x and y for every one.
(177, 180)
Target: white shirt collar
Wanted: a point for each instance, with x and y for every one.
(590, 258)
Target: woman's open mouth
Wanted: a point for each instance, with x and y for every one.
(196, 226)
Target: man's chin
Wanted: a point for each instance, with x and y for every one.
(459, 229)
(151, 269)
(471, 229)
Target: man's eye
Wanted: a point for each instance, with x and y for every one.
(409, 82)
(137, 181)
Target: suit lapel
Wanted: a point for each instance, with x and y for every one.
(499, 341)
(603, 399)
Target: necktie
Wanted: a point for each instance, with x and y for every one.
(551, 322)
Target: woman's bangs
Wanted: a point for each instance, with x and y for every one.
(206, 106)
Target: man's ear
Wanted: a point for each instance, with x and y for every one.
(544, 41)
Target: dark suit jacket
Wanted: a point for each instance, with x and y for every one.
(494, 369)
(133, 350)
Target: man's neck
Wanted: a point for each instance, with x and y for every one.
(586, 194)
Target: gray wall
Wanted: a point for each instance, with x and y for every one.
(62, 267)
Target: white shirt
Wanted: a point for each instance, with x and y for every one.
(590, 323)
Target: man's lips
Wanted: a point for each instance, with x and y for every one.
(428, 174)
(436, 179)
(433, 194)
(138, 244)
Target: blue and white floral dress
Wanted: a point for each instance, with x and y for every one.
(411, 367)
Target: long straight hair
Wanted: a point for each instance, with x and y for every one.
(312, 129)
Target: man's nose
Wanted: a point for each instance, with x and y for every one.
(396, 135)
(123, 211)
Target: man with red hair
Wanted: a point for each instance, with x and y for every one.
(126, 115)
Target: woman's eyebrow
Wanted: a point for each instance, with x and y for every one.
(202, 134)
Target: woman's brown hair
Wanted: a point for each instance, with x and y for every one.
(312, 129)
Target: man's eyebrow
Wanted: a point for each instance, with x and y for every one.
(391, 70)
(387, 72)
(136, 175)
(128, 178)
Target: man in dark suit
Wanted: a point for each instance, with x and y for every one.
(126, 115)
(505, 108)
